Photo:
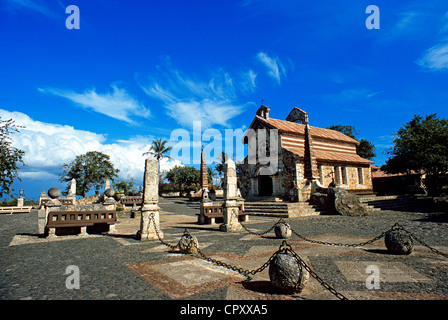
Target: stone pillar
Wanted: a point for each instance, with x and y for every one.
(43, 196)
(72, 191)
(231, 203)
(204, 177)
(20, 201)
(109, 201)
(311, 170)
(149, 221)
(52, 205)
(107, 184)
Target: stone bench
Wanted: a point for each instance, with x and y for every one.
(12, 210)
(213, 212)
(83, 219)
(131, 201)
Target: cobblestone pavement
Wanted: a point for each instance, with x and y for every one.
(121, 267)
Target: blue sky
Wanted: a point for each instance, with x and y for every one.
(138, 70)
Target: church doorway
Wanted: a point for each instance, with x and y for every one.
(264, 185)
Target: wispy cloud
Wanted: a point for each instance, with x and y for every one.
(31, 5)
(275, 68)
(213, 102)
(48, 146)
(117, 104)
(435, 58)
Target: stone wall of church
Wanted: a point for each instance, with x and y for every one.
(348, 177)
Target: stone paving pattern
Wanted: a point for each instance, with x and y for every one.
(121, 267)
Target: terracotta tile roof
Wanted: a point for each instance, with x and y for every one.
(298, 128)
(331, 156)
(384, 174)
(340, 157)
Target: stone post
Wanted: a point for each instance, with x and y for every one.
(20, 201)
(52, 205)
(107, 184)
(231, 204)
(149, 221)
(43, 196)
(204, 177)
(71, 194)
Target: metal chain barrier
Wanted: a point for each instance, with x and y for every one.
(287, 249)
(284, 248)
(173, 247)
(348, 245)
(257, 233)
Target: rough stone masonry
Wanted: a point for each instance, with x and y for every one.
(150, 218)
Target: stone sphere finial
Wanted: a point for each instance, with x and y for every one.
(54, 193)
(109, 192)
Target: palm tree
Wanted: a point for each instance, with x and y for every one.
(211, 174)
(159, 150)
(219, 166)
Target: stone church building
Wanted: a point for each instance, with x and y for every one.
(309, 158)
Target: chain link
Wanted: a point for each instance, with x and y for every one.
(335, 244)
(315, 276)
(286, 248)
(421, 241)
(173, 247)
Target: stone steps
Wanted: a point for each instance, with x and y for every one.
(398, 203)
(280, 209)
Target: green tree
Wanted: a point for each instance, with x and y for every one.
(10, 157)
(89, 170)
(211, 174)
(128, 187)
(365, 149)
(220, 165)
(185, 177)
(159, 149)
(421, 145)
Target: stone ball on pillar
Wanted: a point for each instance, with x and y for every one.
(188, 244)
(54, 193)
(282, 230)
(109, 192)
(399, 241)
(286, 274)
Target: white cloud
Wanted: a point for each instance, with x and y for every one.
(48, 146)
(435, 58)
(28, 5)
(275, 68)
(186, 100)
(117, 104)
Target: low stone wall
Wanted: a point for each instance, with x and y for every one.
(88, 200)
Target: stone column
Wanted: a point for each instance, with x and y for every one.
(230, 206)
(71, 194)
(204, 177)
(107, 184)
(20, 201)
(149, 221)
(53, 205)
